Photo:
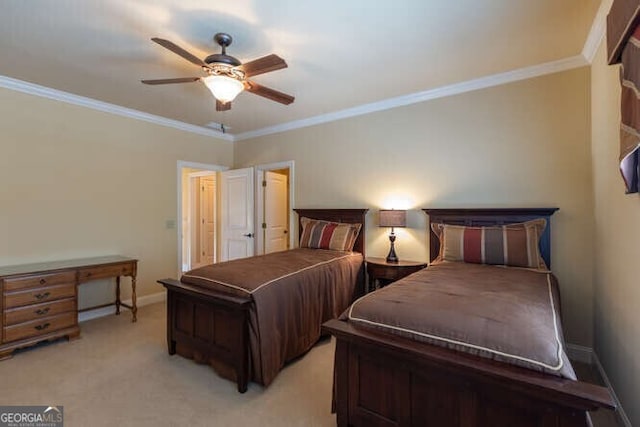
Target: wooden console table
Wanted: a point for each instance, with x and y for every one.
(40, 301)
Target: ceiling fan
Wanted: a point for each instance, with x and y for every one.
(227, 76)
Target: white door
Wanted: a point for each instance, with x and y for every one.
(236, 193)
(276, 220)
(207, 219)
(202, 219)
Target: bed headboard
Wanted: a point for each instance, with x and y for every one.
(350, 216)
(488, 216)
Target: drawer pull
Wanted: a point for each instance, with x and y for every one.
(40, 311)
(42, 327)
(43, 281)
(42, 296)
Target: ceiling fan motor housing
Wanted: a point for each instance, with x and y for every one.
(222, 57)
(224, 40)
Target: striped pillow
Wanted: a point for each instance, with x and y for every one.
(328, 235)
(513, 244)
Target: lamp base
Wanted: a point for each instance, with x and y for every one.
(392, 257)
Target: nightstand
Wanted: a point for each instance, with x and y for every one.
(378, 269)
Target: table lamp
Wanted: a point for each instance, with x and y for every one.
(392, 218)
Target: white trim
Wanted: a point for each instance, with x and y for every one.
(588, 355)
(290, 164)
(413, 98)
(441, 92)
(619, 409)
(580, 353)
(194, 165)
(70, 98)
(107, 311)
(202, 173)
(596, 34)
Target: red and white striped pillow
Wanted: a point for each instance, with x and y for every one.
(328, 235)
(513, 244)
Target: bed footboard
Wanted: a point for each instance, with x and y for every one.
(209, 327)
(381, 380)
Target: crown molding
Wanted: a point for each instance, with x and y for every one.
(400, 101)
(414, 98)
(596, 34)
(70, 98)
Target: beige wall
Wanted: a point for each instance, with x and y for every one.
(521, 144)
(75, 182)
(617, 243)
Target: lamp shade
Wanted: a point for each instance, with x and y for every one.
(224, 89)
(393, 218)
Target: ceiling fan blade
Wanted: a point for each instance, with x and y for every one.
(223, 107)
(268, 93)
(263, 65)
(168, 81)
(179, 51)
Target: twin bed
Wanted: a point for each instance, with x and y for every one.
(249, 317)
(463, 342)
(459, 343)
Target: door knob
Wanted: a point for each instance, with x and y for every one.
(248, 235)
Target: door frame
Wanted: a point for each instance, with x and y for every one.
(181, 164)
(259, 177)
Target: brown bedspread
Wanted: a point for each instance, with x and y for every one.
(293, 291)
(506, 314)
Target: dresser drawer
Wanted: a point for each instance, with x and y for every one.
(107, 271)
(39, 281)
(39, 327)
(38, 311)
(38, 295)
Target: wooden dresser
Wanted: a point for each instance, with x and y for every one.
(39, 302)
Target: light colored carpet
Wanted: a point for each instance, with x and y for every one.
(119, 373)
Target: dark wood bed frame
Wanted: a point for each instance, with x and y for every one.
(213, 327)
(385, 380)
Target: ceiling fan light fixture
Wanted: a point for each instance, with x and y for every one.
(224, 88)
(226, 75)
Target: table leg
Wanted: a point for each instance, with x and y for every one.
(134, 306)
(118, 302)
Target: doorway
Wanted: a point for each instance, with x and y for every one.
(223, 216)
(201, 239)
(274, 201)
(198, 213)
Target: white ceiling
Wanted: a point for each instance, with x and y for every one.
(341, 53)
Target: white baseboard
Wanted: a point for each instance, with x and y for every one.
(620, 410)
(580, 353)
(587, 355)
(107, 311)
